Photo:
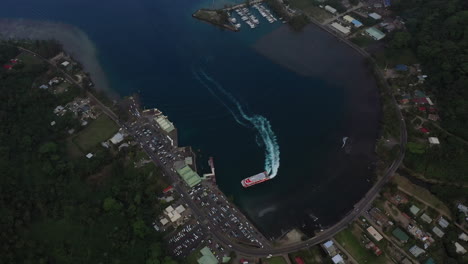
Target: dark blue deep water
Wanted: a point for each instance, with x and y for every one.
(154, 47)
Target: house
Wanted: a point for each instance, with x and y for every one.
(375, 33)
(459, 248)
(376, 235)
(164, 221)
(462, 208)
(330, 248)
(338, 259)
(340, 28)
(426, 218)
(404, 101)
(433, 117)
(420, 100)
(433, 141)
(65, 63)
(44, 87)
(414, 209)
(180, 209)
(416, 251)
(356, 23)
(463, 237)
(52, 123)
(89, 155)
(8, 67)
(422, 108)
(443, 223)
(438, 232)
(424, 130)
(375, 16)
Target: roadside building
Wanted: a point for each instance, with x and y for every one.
(117, 138)
(356, 23)
(164, 221)
(330, 248)
(207, 257)
(338, 259)
(462, 208)
(459, 248)
(443, 223)
(375, 33)
(330, 9)
(340, 28)
(433, 141)
(168, 189)
(426, 218)
(376, 235)
(438, 232)
(416, 251)
(400, 234)
(401, 67)
(180, 209)
(375, 16)
(424, 130)
(414, 209)
(299, 260)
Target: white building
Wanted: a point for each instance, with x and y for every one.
(338, 259)
(330, 9)
(65, 63)
(340, 28)
(89, 155)
(433, 141)
(459, 248)
(443, 223)
(117, 138)
(348, 18)
(375, 16)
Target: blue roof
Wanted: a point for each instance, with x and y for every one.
(387, 3)
(401, 67)
(356, 23)
(328, 244)
(430, 261)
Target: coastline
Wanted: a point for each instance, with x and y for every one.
(75, 42)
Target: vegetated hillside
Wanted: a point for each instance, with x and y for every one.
(438, 35)
(51, 208)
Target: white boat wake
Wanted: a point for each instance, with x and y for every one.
(258, 122)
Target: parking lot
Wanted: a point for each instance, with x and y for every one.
(183, 242)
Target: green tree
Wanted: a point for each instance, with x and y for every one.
(111, 205)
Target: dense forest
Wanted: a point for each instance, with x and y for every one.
(52, 208)
(437, 32)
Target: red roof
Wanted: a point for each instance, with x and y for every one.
(7, 66)
(299, 260)
(432, 109)
(424, 130)
(422, 108)
(168, 189)
(14, 61)
(422, 100)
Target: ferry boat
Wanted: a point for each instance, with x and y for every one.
(255, 179)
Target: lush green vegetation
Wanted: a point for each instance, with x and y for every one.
(275, 260)
(313, 255)
(50, 210)
(437, 35)
(296, 22)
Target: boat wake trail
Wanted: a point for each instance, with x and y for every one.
(258, 122)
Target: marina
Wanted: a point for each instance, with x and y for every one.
(245, 15)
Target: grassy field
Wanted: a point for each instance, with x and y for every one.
(311, 256)
(420, 193)
(29, 59)
(275, 260)
(348, 239)
(310, 9)
(362, 40)
(97, 131)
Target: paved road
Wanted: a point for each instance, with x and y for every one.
(262, 252)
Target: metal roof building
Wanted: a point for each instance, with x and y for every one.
(416, 251)
(356, 23)
(376, 235)
(164, 123)
(414, 209)
(207, 257)
(398, 233)
(375, 16)
(190, 177)
(340, 28)
(426, 218)
(375, 33)
(443, 223)
(438, 232)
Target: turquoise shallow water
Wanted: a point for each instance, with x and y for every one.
(157, 49)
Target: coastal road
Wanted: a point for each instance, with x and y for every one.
(262, 252)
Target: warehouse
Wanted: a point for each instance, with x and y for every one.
(375, 16)
(190, 177)
(330, 9)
